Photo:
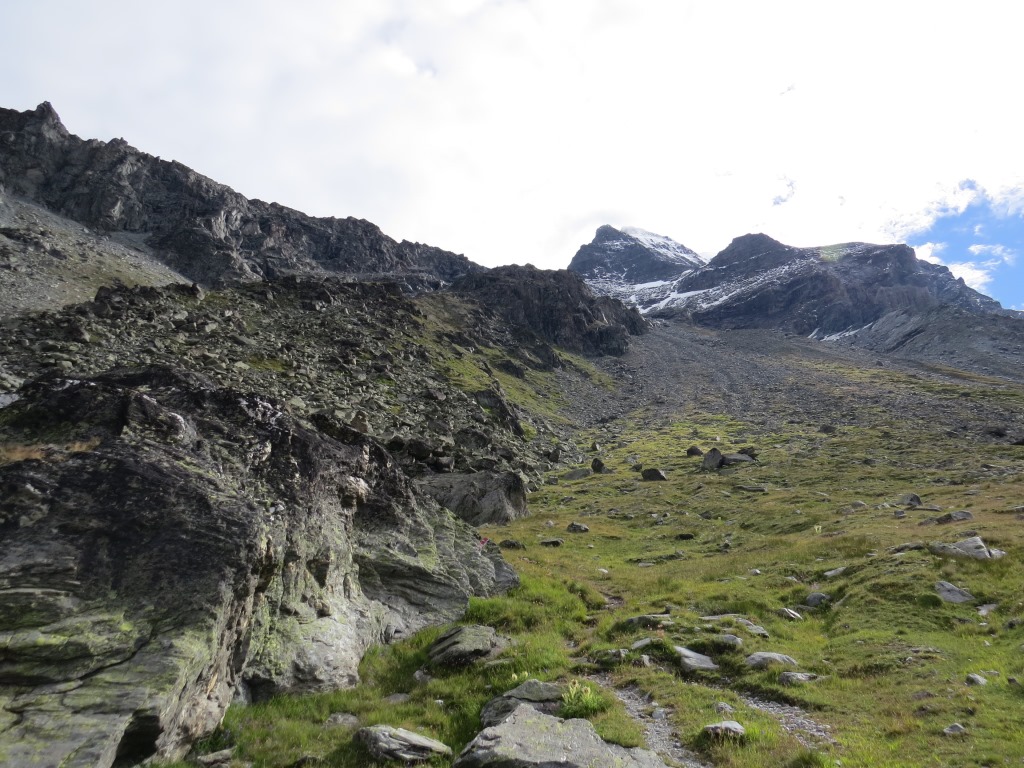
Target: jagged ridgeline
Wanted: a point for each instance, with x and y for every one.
(257, 458)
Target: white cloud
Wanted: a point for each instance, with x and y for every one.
(977, 275)
(1000, 253)
(930, 252)
(509, 130)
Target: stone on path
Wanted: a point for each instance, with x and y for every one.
(385, 742)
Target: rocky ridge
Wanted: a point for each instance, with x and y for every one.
(203, 230)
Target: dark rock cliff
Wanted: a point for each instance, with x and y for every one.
(557, 306)
(170, 543)
(203, 229)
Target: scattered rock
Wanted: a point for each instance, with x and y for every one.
(753, 488)
(578, 474)
(693, 450)
(552, 542)
(796, 678)
(730, 459)
(976, 679)
(909, 500)
(653, 473)
(960, 516)
(789, 613)
(835, 572)
(220, 759)
(816, 599)
(575, 527)
(724, 708)
(511, 544)
(954, 730)
(597, 466)
(385, 742)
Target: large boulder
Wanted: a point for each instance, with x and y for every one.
(183, 544)
(481, 498)
(530, 739)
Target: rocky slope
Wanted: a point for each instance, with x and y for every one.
(210, 496)
(203, 230)
(556, 306)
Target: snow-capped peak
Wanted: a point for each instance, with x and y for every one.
(666, 246)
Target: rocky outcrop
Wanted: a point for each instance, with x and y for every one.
(555, 305)
(632, 255)
(481, 498)
(170, 544)
(204, 230)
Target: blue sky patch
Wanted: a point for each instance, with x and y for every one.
(983, 243)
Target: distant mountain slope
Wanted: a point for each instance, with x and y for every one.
(631, 255)
(758, 282)
(204, 230)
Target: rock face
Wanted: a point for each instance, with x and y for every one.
(530, 739)
(203, 229)
(481, 498)
(184, 543)
(557, 306)
(632, 255)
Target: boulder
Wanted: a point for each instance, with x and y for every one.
(764, 659)
(713, 459)
(544, 697)
(727, 729)
(972, 547)
(960, 516)
(385, 742)
(597, 466)
(461, 646)
(653, 473)
(950, 593)
(816, 599)
(527, 738)
(693, 450)
(691, 661)
(480, 498)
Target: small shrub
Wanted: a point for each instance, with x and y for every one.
(582, 700)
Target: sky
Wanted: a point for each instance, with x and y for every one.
(509, 130)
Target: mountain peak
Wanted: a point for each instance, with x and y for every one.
(633, 255)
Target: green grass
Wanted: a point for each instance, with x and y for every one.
(891, 657)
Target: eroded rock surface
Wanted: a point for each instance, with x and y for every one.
(530, 739)
(182, 543)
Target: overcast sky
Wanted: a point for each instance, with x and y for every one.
(509, 130)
